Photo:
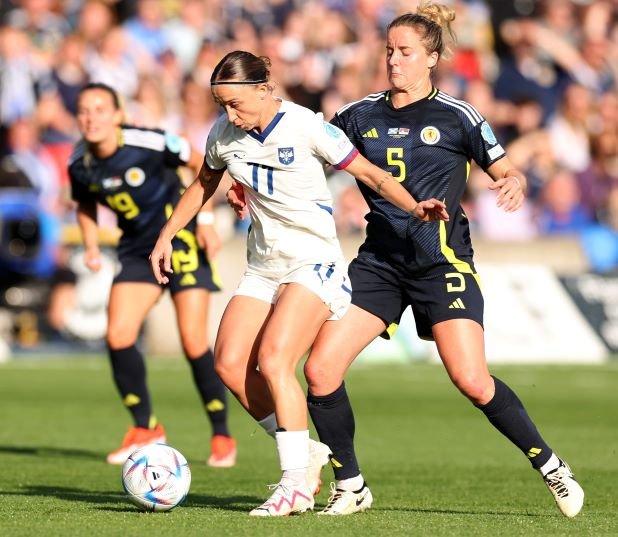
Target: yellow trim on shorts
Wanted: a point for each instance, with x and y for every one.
(458, 264)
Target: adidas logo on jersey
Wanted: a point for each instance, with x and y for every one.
(371, 134)
(457, 304)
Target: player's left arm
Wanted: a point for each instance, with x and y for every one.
(509, 182)
(390, 189)
(205, 232)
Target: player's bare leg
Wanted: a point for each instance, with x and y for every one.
(192, 319)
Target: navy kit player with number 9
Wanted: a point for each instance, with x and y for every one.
(296, 277)
(134, 172)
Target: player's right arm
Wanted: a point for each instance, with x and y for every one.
(87, 221)
(192, 200)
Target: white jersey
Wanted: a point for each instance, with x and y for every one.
(282, 172)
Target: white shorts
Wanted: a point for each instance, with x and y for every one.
(327, 280)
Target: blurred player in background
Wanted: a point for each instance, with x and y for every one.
(133, 171)
(296, 276)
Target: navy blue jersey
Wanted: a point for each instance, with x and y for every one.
(139, 182)
(427, 146)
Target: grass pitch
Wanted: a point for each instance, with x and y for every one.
(434, 464)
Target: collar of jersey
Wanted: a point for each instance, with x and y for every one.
(389, 102)
(261, 137)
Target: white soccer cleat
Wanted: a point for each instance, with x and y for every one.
(285, 500)
(566, 491)
(346, 502)
(319, 455)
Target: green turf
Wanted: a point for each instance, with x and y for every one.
(434, 464)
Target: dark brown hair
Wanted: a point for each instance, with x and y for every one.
(103, 87)
(241, 67)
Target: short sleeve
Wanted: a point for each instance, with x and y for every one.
(483, 145)
(79, 191)
(176, 150)
(332, 144)
(212, 158)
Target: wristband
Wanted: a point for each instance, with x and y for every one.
(206, 218)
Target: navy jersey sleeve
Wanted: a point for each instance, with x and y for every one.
(176, 150)
(483, 145)
(79, 189)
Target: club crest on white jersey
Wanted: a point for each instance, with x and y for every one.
(286, 155)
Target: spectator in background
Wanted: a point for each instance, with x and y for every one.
(96, 18)
(44, 28)
(146, 31)
(114, 63)
(569, 129)
(35, 161)
(561, 210)
(600, 178)
(184, 34)
(24, 80)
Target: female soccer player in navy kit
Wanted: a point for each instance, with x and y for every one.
(133, 171)
(296, 278)
(426, 140)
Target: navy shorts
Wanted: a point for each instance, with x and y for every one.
(192, 270)
(386, 291)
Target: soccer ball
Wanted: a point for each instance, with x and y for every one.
(156, 477)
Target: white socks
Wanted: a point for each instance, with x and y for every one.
(293, 447)
(550, 465)
(269, 424)
(351, 484)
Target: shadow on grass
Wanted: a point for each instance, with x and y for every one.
(227, 503)
(46, 451)
(471, 512)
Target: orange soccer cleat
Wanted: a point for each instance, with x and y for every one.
(136, 438)
(222, 451)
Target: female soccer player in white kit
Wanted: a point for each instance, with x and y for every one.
(296, 275)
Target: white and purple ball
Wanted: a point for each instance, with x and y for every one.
(156, 477)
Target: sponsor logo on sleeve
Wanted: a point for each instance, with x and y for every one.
(331, 130)
(487, 134)
(495, 152)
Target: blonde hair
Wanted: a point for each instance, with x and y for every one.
(433, 24)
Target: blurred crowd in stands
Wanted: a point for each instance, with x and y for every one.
(543, 72)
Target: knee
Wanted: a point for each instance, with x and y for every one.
(477, 387)
(231, 370)
(321, 379)
(273, 364)
(119, 337)
(193, 349)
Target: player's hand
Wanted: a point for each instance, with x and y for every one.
(161, 260)
(430, 210)
(236, 200)
(92, 258)
(208, 239)
(510, 194)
